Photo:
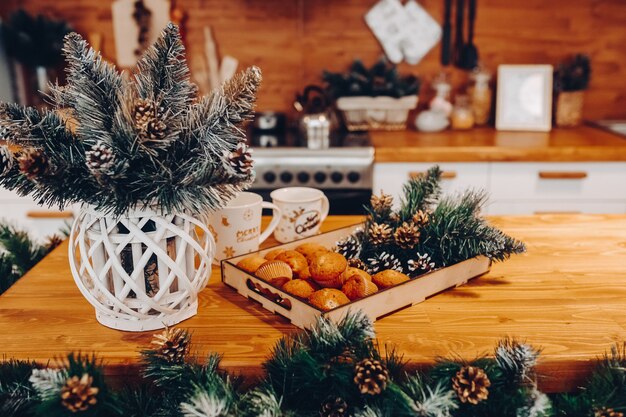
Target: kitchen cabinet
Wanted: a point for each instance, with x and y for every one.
(524, 187)
(26, 214)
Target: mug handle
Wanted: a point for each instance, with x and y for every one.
(275, 219)
(325, 207)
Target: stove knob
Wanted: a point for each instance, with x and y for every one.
(286, 176)
(304, 177)
(354, 176)
(319, 177)
(336, 177)
(269, 177)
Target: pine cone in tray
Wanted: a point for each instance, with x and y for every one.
(407, 235)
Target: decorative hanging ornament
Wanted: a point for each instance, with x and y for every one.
(78, 395)
(371, 376)
(172, 344)
(471, 385)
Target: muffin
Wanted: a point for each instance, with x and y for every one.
(296, 261)
(279, 282)
(310, 249)
(326, 269)
(250, 264)
(354, 271)
(271, 255)
(389, 278)
(274, 269)
(299, 287)
(328, 298)
(358, 286)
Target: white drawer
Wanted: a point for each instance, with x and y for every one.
(557, 207)
(390, 177)
(558, 181)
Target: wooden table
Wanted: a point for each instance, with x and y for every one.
(567, 296)
(583, 143)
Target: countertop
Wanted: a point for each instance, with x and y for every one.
(583, 143)
(567, 295)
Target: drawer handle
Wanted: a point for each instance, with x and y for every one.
(562, 175)
(50, 214)
(445, 175)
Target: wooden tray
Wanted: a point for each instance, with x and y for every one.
(380, 304)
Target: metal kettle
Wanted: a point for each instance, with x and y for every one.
(314, 123)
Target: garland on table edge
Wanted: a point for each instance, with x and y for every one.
(329, 370)
(19, 253)
(427, 231)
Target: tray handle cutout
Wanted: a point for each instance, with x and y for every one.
(268, 294)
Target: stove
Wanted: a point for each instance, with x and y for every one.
(341, 166)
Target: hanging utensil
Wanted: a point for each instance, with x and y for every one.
(446, 33)
(458, 43)
(469, 52)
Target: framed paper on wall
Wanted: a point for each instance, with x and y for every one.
(524, 97)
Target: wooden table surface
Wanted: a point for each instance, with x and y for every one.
(583, 143)
(567, 295)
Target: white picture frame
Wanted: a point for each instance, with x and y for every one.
(524, 98)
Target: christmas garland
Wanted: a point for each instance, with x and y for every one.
(329, 370)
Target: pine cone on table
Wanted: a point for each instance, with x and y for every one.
(371, 376)
(421, 218)
(381, 203)
(6, 160)
(334, 407)
(79, 394)
(379, 233)
(33, 163)
(407, 235)
(172, 344)
(607, 412)
(471, 385)
(241, 159)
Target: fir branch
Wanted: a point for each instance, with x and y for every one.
(517, 360)
(427, 401)
(420, 193)
(17, 396)
(48, 383)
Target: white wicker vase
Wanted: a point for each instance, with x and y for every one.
(141, 271)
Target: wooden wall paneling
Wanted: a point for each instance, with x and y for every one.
(294, 40)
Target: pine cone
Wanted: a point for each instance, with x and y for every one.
(371, 376)
(345, 357)
(379, 233)
(172, 344)
(350, 247)
(6, 160)
(420, 218)
(384, 261)
(607, 412)
(334, 407)
(78, 394)
(470, 385)
(422, 263)
(144, 112)
(356, 263)
(241, 159)
(155, 130)
(381, 203)
(100, 158)
(33, 163)
(407, 235)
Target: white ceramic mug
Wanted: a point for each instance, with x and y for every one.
(303, 210)
(237, 227)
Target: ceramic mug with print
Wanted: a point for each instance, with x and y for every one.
(237, 227)
(303, 210)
